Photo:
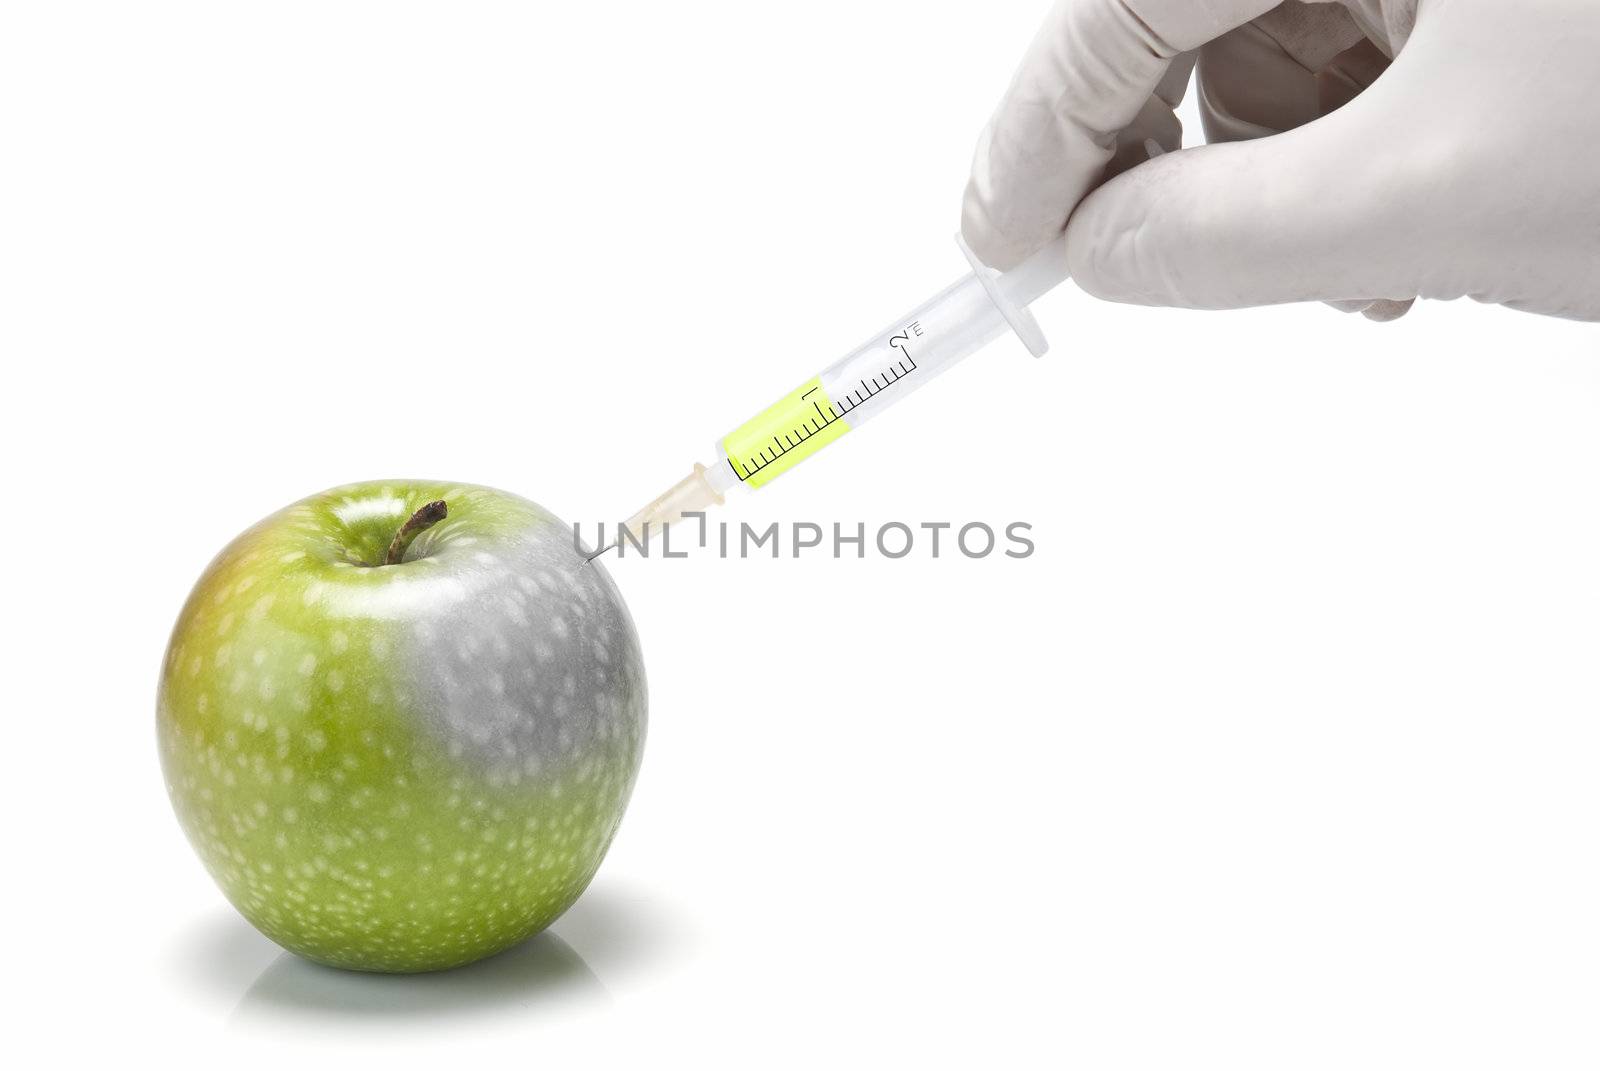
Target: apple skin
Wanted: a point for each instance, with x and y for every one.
(402, 767)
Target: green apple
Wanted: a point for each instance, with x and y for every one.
(400, 723)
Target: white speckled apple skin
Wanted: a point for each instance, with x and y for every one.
(405, 767)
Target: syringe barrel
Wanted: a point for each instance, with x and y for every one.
(953, 324)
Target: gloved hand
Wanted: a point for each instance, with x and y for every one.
(1470, 168)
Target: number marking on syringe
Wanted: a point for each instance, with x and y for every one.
(788, 440)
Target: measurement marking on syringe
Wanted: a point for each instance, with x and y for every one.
(833, 411)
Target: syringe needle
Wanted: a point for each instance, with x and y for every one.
(693, 494)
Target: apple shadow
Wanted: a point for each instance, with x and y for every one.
(619, 933)
(219, 955)
(542, 974)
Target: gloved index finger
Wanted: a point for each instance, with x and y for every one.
(1090, 70)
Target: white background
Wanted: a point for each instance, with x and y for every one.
(1280, 753)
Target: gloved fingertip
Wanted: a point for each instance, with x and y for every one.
(1386, 311)
(1381, 311)
(988, 242)
(1351, 306)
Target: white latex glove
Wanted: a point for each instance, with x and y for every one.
(1470, 168)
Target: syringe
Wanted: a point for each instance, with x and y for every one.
(957, 322)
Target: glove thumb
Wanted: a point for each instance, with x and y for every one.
(1306, 215)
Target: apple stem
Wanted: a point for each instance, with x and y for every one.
(420, 522)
